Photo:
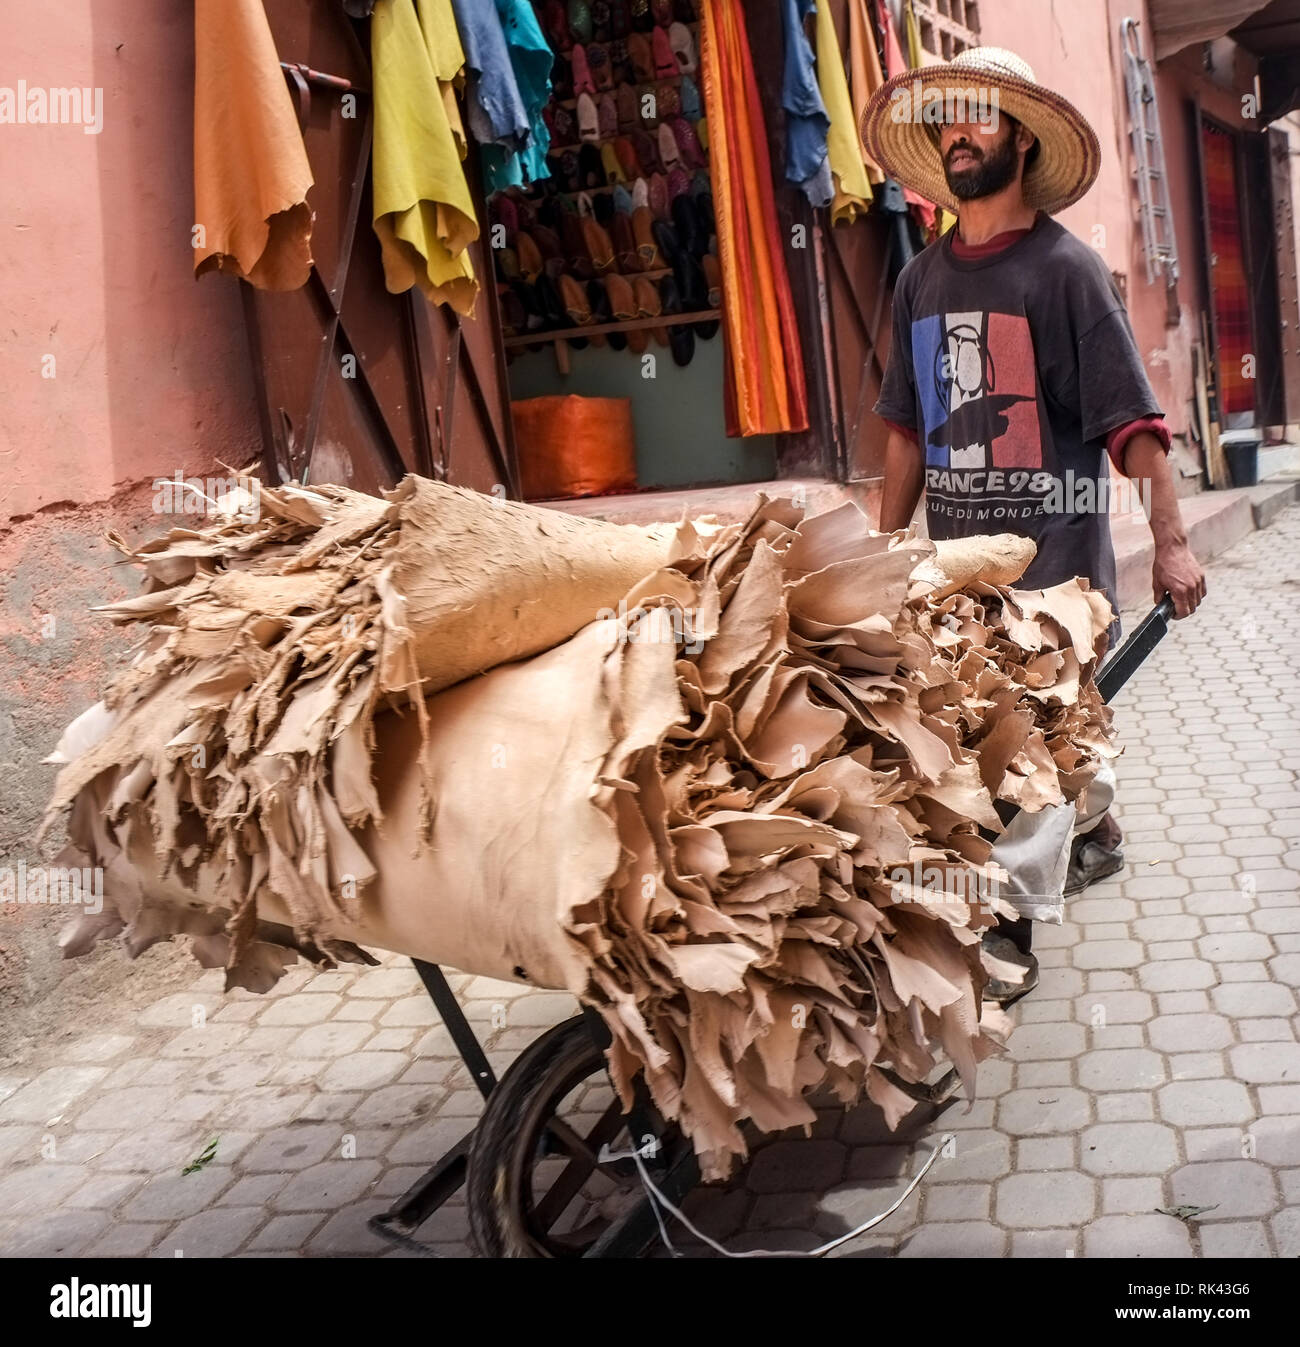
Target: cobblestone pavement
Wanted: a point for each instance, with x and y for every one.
(1157, 1065)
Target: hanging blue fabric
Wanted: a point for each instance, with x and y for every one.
(806, 122)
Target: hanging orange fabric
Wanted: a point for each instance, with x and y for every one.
(251, 174)
(764, 389)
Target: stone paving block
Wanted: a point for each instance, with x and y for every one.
(37, 1189)
(178, 1011)
(1160, 950)
(1189, 1033)
(327, 1186)
(1232, 1187)
(1279, 1098)
(955, 1239)
(1285, 968)
(104, 1191)
(125, 1239)
(333, 1039)
(1235, 948)
(797, 1166)
(1277, 1140)
(1109, 954)
(782, 1211)
(1277, 920)
(346, 1231)
(253, 1190)
(211, 1040)
(97, 1048)
(958, 1202)
(304, 1008)
(294, 1147)
(260, 1109)
(1131, 1196)
(1215, 1143)
(1234, 1239)
(1059, 983)
(58, 1234)
(385, 983)
(1285, 1227)
(1196, 1065)
(330, 1106)
(413, 1011)
(169, 1197)
(1043, 1111)
(1107, 1008)
(1265, 1063)
(847, 1205)
(1038, 1042)
(1266, 1031)
(1045, 1153)
(366, 1070)
(210, 1234)
(1136, 1107)
(980, 1154)
(1246, 999)
(401, 1105)
(883, 1162)
(1036, 1201)
(1151, 1236)
(1178, 975)
(1120, 1069)
(20, 1141)
(1031, 1075)
(1110, 980)
(1128, 1148)
(1201, 1103)
(285, 1232)
(1044, 1243)
(50, 1093)
(425, 1143)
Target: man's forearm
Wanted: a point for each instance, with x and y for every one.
(1176, 571)
(904, 481)
(1147, 464)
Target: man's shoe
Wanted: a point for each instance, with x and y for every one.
(1091, 860)
(1003, 990)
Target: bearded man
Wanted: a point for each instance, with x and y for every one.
(1013, 378)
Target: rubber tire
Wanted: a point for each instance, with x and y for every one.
(492, 1190)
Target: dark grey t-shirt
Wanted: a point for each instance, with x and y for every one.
(1012, 369)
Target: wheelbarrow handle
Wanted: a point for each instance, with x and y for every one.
(1125, 661)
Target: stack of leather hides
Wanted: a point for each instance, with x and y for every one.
(623, 230)
(688, 774)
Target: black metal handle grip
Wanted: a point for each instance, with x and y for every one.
(1125, 661)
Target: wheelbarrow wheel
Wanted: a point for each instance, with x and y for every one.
(538, 1186)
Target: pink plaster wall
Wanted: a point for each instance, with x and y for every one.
(151, 368)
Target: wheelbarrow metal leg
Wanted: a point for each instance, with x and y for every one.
(426, 1194)
(467, 1044)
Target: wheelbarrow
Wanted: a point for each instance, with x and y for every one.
(551, 1168)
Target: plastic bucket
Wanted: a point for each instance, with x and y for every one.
(1242, 456)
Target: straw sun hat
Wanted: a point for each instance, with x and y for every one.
(903, 137)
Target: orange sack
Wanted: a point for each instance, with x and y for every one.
(574, 446)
